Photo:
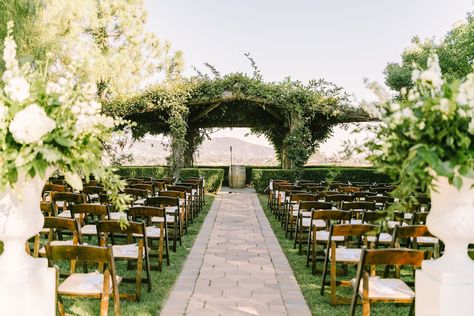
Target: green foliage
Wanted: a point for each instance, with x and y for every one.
(429, 133)
(152, 302)
(213, 177)
(262, 177)
(311, 285)
(155, 172)
(455, 51)
(294, 116)
(23, 13)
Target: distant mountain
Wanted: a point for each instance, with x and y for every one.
(217, 151)
(153, 151)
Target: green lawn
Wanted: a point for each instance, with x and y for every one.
(310, 285)
(150, 302)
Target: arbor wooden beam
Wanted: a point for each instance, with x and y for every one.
(204, 112)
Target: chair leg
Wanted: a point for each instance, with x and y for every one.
(160, 251)
(326, 261)
(167, 249)
(138, 285)
(333, 272)
(104, 303)
(309, 248)
(148, 271)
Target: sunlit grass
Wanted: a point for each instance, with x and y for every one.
(150, 302)
(310, 285)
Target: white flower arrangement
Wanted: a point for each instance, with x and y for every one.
(428, 131)
(51, 123)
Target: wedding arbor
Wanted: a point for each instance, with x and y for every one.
(295, 117)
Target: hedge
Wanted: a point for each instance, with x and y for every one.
(261, 177)
(248, 172)
(154, 172)
(213, 177)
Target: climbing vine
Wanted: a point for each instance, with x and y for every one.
(294, 116)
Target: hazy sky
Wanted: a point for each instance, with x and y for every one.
(343, 41)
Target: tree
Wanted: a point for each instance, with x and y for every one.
(455, 51)
(107, 39)
(23, 13)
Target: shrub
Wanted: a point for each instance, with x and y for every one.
(261, 177)
(213, 177)
(154, 172)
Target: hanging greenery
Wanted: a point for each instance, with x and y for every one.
(295, 117)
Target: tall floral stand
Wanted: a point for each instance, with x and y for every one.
(27, 285)
(446, 286)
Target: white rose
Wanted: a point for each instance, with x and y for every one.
(31, 124)
(18, 89)
(444, 106)
(407, 113)
(395, 107)
(471, 127)
(462, 113)
(52, 87)
(431, 77)
(415, 75)
(3, 113)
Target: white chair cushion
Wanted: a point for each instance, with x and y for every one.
(392, 224)
(386, 289)
(139, 202)
(347, 254)
(323, 235)
(89, 230)
(383, 238)
(356, 221)
(42, 251)
(427, 240)
(129, 251)
(152, 232)
(319, 223)
(84, 283)
(117, 215)
(169, 219)
(67, 214)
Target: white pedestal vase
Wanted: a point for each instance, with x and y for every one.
(27, 285)
(446, 286)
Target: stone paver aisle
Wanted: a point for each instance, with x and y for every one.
(236, 266)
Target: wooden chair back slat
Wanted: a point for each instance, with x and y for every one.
(354, 229)
(317, 205)
(393, 257)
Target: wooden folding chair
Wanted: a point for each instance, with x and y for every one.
(357, 208)
(292, 211)
(338, 198)
(92, 193)
(55, 227)
(84, 212)
(304, 220)
(129, 251)
(100, 284)
(65, 201)
(380, 200)
(173, 214)
(345, 256)
(188, 202)
(138, 195)
(153, 216)
(371, 288)
(321, 220)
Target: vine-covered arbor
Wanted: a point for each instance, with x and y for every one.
(295, 117)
